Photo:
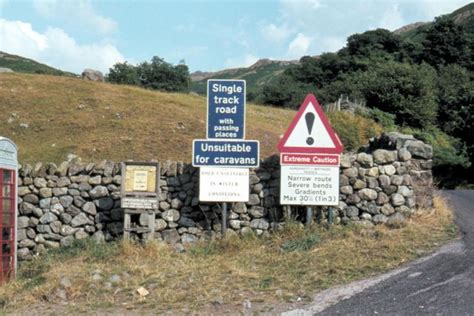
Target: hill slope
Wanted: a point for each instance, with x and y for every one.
(260, 73)
(463, 16)
(25, 65)
(103, 121)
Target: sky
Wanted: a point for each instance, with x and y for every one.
(207, 35)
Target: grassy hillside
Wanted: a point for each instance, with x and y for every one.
(257, 75)
(103, 121)
(25, 65)
(463, 16)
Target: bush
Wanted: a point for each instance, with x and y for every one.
(387, 120)
(157, 75)
(285, 92)
(447, 150)
(456, 99)
(407, 91)
(123, 73)
(353, 130)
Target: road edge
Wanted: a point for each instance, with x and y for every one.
(331, 296)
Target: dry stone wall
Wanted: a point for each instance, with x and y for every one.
(384, 183)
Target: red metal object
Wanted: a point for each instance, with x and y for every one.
(325, 127)
(7, 224)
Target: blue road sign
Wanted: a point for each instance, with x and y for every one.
(226, 153)
(226, 109)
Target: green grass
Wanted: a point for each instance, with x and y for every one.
(227, 270)
(25, 65)
(255, 77)
(104, 121)
(304, 243)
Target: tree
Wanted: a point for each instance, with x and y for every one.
(446, 43)
(157, 75)
(408, 91)
(160, 75)
(456, 100)
(373, 42)
(123, 73)
(285, 92)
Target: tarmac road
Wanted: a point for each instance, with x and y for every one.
(441, 284)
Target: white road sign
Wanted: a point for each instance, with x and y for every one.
(309, 185)
(223, 184)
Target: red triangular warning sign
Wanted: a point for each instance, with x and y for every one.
(310, 131)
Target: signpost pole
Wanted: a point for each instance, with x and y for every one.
(319, 215)
(224, 218)
(288, 212)
(309, 216)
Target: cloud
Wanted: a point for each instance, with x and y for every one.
(300, 7)
(241, 61)
(330, 43)
(433, 8)
(275, 33)
(299, 46)
(56, 48)
(392, 19)
(80, 12)
(177, 54)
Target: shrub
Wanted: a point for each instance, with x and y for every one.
(447, 150)
(353, 130)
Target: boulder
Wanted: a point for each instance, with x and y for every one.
(257, 211)
(366, 160)
(170, 215)
(80, 220)
(397, 199)
(382, 156)
(92, 75)
(239, 208)
(89, 208)
(260, 223)
(170, 236)
(48, 218)
(98, 192)
(419, 149)
(397, 220)
(367, 194)
(160, 224)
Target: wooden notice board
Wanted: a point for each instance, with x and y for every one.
(140, 185)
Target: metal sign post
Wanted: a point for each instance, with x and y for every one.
(309, 157)
(309, 216)
(225, 156)
(224, 218)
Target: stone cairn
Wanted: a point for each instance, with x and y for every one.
(384, 183)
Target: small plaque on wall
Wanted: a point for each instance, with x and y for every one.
(140, 185)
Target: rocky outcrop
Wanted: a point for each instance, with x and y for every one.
(409, 27)
(92, 75)
(5, 70)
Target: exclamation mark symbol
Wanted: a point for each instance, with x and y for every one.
(309, 118)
